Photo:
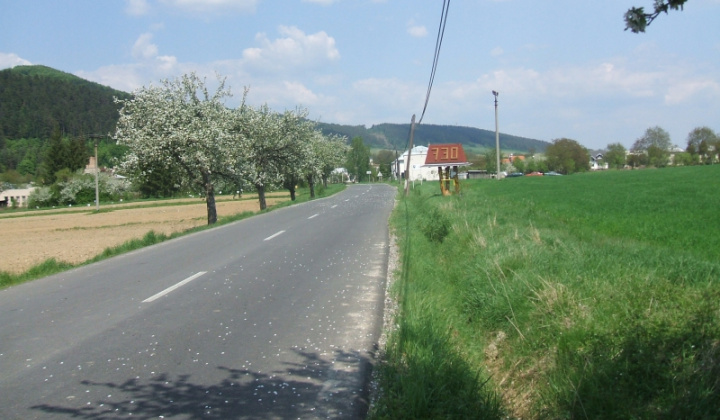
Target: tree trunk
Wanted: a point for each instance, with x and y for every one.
(311, 184)
(289, 184)
(261, 196)
(210, 199)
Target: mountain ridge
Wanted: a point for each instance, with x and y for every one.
(395, 136)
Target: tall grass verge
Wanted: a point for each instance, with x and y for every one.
(424, 373)
(588, 296)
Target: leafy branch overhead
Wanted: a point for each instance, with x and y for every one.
(637, 20)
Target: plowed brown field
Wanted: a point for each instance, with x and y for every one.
(74, 235)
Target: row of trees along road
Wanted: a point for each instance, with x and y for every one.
(182, 128)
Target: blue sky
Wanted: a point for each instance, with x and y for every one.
(564, 68)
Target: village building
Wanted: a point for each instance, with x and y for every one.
(15, 197)
(418, 170)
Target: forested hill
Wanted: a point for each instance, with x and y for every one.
(395, 136)
(35, 99)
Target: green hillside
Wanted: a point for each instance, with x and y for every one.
(36, 99)
(395, 136)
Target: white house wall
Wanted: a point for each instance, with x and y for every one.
(417, 161)
(20, 197)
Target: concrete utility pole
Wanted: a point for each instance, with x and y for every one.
(97, 170)
(497, 136)
(407, 165)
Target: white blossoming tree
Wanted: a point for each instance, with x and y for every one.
(302, 136)
(313, 164)
(270, 143)
(332, 151)
(180, 124)
(328, 153)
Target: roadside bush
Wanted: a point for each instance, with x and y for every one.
(79, 189)
(41, 197)
(435, 225)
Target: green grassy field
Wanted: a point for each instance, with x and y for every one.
(583, 297)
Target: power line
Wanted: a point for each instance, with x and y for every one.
(438, 44)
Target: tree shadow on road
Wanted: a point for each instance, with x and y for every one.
(314, 387)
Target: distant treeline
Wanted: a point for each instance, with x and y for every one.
(29, 156)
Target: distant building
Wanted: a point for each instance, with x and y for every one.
(417, 169)
(478, 174)
(18, 197)
(91, 166)
(597, 163)
(339, 175)
(511, 159)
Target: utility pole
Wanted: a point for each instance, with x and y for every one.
(407, 165)
(397, 163)
(497, 137)
(97, 169)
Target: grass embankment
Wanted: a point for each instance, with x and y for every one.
(586, 296)
(52, 266)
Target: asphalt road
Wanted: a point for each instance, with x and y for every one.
(276, 316)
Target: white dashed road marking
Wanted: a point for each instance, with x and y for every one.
(171, 288)
(274, 236)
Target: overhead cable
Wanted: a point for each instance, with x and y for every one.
(438, 44)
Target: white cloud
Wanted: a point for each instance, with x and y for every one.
(294, 49)
(416, 30)
(596, 104)
(284, 93)
(497, 52)
(147, 53)
(137, 7)
(598, 80)
(390, 88)
(166, 64)
(212, 6)
(10, 60)
(143, 49)
(684, 90)
(392, 98)
(321, 2)
(121, 77)
(274, 70)
(149, 66)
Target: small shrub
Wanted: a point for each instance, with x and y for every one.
(435, 225)
(40, 197)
